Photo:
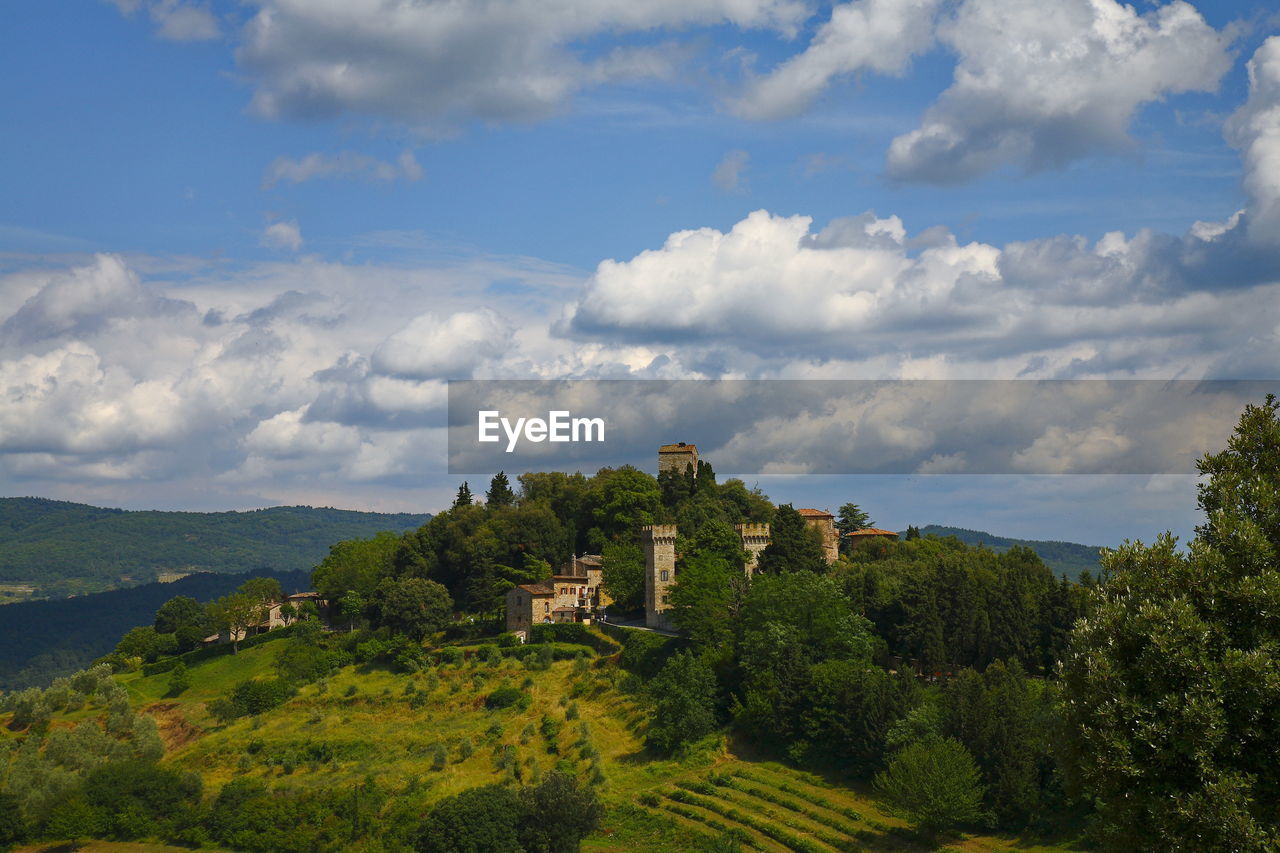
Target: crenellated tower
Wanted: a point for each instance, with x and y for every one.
(755, 538)
(659, 541)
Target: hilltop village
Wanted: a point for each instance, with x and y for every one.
(575, 593)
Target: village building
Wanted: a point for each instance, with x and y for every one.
(867, 533)
(528, 605)
(825, 523)
(677, 458)
(277, 614)
(575, 593)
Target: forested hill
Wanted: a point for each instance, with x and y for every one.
(40, 640)
(67, 548)
(1065, 558)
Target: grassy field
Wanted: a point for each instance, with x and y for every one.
(431, 731)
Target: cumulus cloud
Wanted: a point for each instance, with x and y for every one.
(728, 175)
(175, 20)
(1255, 129)
(861, 295)
(435, 347)
(1038, 85)
(282, 235)
(862, 35)
(345, 164)
(428, 63)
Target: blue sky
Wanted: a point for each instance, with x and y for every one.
(243, 244)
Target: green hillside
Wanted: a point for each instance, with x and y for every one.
(56, 548)
(1065, 558)
(407, 740)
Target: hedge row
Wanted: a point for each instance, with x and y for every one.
(644, 652)
(209, 652)
(573, 632)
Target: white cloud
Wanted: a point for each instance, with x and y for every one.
(728, 174)
(1040, 84)
(1255, 129)
(862, 35)
(773, 295)
(435, 347)
(429, 64)
(282, 235)
(175, 20)
(345, 164)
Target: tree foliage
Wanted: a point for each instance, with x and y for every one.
(793, 546)
(1170, 691)
(684, 700)
(934, 784)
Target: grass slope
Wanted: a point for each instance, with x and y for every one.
(65, 548)
(360, 723)
(1065, 558)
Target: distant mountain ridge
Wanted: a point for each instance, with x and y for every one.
(68, 548)
(1065, 558)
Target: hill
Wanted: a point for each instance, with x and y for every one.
(57, 548)
(387, 745)
(40, 640)
(1065, 558)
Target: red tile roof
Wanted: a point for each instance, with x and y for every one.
(536, 589)
(873, 531)
(815, 513)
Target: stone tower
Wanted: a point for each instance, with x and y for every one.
(755, 538)
(659, 542)
(825, 523)
(677, 457)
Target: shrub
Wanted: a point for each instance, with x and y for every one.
(934, 783)
(505, 697)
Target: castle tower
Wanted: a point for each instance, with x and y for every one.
(755, 538)
(678, 457)
(825, 524)
(659, 542)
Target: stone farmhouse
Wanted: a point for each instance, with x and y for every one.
(274, 618)
(575, 593)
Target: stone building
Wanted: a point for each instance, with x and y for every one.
(528, 605)
(755, 538)
(825, 523)
(573, 594)
(659, 541)
(677, 458)
(578, 585)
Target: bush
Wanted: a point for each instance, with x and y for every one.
(449, 654)
(508, 640)
(505, 697)
(934, 783)
(179, 680)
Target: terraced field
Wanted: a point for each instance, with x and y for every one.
(772, 808)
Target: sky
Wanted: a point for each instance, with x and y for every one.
(244, 246)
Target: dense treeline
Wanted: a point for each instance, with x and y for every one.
(1065, 558)
(67, 548)
(40, 640)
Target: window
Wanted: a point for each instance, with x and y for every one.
(665, 575)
